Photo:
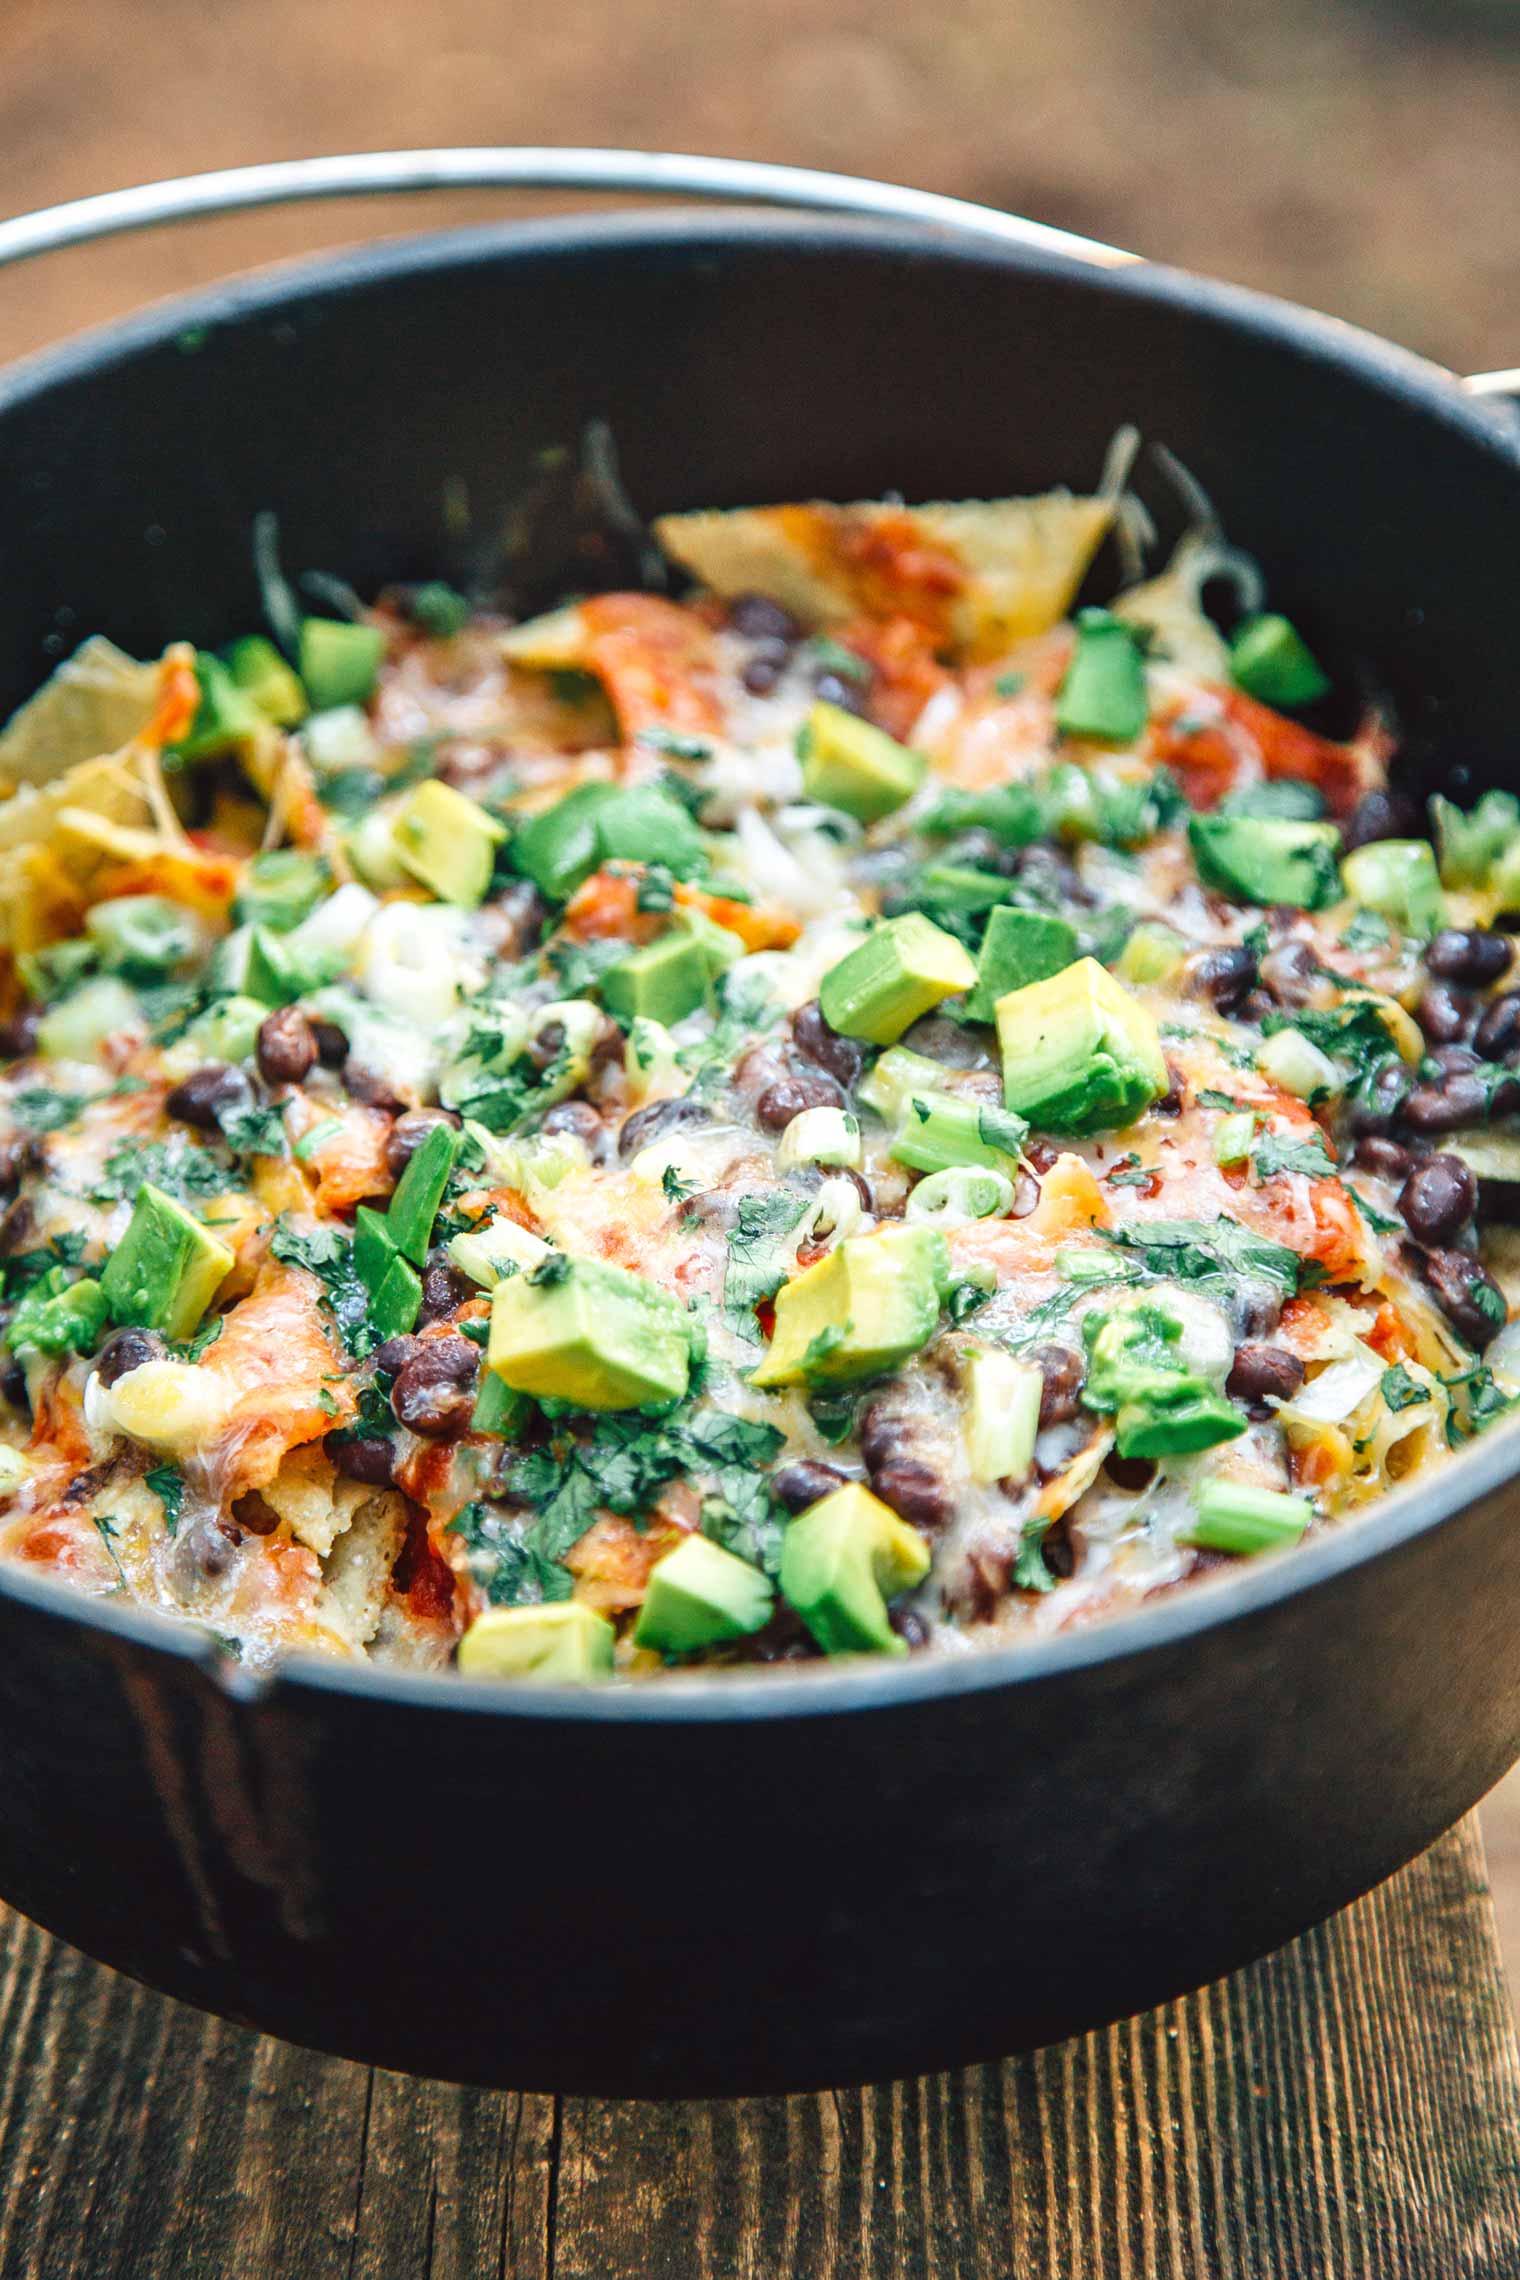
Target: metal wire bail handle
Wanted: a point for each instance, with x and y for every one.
(640, 173)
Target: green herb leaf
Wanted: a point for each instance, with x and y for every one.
(168, 1485)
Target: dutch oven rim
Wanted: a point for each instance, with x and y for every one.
(792, 1691)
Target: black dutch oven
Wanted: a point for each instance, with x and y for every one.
(743, 1884)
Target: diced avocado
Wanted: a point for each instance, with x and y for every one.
(262, 673)
(226, 716)
(558, 848)
(664, 981)
(165, 1271)
(75, 1028)
(1265, 860)
(419, 1192)
(642, 824)
(1002, 1414)
(1103, 695)
(897, 1074)
(1271, 661)
(280, 888)
(1019, 947)
(498, 1410)
(1079, 1053)
(396, 1301)
(56, 1316)
(448, 842)
(940, 1131)
(867, 1306)
(1397, 877)
(848, 764)
(563, 1641)
(1153, 953)
(902, 969)
(142, 937)
(583, 1331)
(339, 661)
(1138, 1373)
(699, 1595)
(841, 1561)
(1232, 1516)
(489, 1253)
(719, 945)
(226, 1031)
(438, 609)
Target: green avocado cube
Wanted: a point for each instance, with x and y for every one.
(564, 1641)
(583, 1331)
(698, 1596)
(419, 1192)
(280, 888)
(339, 661)
(1020, 946)
(558, 848)
(841, 1561)
(642, 824)
(1138, 1373)
(165, 1271)
(865, 1307)
(940, 1131)
(262, 674)
(664, 981)
(56, 1316)
(1399, 879)
(448, 843)
(1079, 1053)
(848, 764)
(1271, 661)
(902, 969)
(1103, 695)
(1262, 859)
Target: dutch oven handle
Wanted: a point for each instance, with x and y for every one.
(636, 173)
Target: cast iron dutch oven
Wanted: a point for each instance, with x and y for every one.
(729, 1885)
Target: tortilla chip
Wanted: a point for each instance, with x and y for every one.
(981, 574)
(98, 700)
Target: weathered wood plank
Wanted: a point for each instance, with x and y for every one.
(1350, 2108)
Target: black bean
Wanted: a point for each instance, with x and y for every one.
(127, 1350)
(1498, 1031)
(710, 1207)
(804, 1482)
(609, 1048)
(760, 619)
(910, 1628)
(1438, 1199)
(1255, 1309)
(18, 1035)
(1376, 1107)
(1065, 1374)
(1380, 815)
(207, 1094)
(1441, 1013)
(520, 912)
(434, 1393)
(1447, 1103)
(407, 1134)
(287, 1046)
(579, 1117)
(1223, 975)
(915, 1492)
(1050, 874)
(884, 1435)
(661, 1116)
(396, 1353)
(764, 669)
(204, 1552)
(789, 1096)
(255, 1514)
(816, 1041)
(445, 1288)
(362, 1456)
(1449, 1057)
(18, 1228)
(1288, 974)
(332, 1045)
(1467, 1295)
(1260, 1372)
(13, 1384)
(369, 1086)
(1468, 954)
(18, 1153)
(1376, 1153)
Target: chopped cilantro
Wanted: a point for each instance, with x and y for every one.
(675, 747)
(1129, 1172)
(1400, 1390)
(177, 1165)
(110, 1535)
(1209, 1098)
(673, 1187)
(38, 1108)
(1214, 1255)
(833, 657)
(1008, 684)
(168, 1485)
(760, 1251)
(1368, 930)
(327, 1254)
(505, 1559)
(1276, 1153)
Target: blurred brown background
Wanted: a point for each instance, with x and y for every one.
(1361, 155)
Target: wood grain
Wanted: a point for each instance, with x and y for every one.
(1347, 2110)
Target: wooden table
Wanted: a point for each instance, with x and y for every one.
(1349, 2108)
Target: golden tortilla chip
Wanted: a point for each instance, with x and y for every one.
(98, 700)
(982, 574)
